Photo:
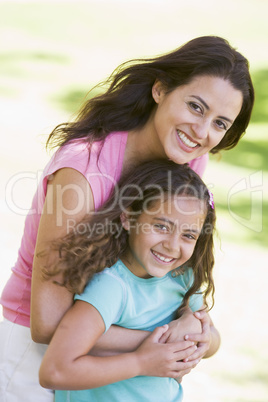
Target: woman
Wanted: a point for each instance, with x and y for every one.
(194, 100)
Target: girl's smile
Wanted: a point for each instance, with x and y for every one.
(161, 257)
(163, 237)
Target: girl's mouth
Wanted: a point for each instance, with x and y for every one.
(186, 141)
(162, 258)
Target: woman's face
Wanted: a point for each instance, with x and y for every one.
(193, 118)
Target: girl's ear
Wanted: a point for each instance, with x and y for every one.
(157, 91)
(124, 217)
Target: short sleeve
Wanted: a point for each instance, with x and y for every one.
(106, 292)
(199, 164)
(196, 300)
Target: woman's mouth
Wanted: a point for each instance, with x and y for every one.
(186, 141)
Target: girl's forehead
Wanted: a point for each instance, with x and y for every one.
(181, 204)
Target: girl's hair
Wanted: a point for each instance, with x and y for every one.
(99, 240)
(127, 104)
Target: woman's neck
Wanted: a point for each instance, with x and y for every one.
(142, 145)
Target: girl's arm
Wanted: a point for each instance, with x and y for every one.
(66, 364)
(68, 199)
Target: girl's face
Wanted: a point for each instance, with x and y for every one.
(163, 237)
(193, 118)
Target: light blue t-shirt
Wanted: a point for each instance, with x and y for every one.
(136, 303)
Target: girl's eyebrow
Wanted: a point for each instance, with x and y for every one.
(208, 108)
(164, 220)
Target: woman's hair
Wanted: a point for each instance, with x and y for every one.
(127, 103)
(99, 240)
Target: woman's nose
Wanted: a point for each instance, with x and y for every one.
(201, 129)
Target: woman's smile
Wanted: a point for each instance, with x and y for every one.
(186, 142)
(192, 119)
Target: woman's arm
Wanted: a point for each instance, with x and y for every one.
(121, 340)
(68, 199)
(118, 340)
(66, 364)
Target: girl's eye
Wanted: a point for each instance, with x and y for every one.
(196, 107)
(221, 125)
(159, 226)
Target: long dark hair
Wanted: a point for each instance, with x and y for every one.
(127, 103)
(99, 240)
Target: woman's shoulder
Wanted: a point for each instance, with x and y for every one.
(78, 154)
(199, 164)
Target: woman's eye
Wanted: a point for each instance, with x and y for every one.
(190, 236)
(196, 107)
(221, 125)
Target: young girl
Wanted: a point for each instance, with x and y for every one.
(179, 106)
(150, 248)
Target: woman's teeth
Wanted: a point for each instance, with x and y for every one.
(186, 140)
(162, 258)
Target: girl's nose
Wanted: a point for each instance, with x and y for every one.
(172, 243)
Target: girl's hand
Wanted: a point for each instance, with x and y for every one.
(164, 360)
(203, 339)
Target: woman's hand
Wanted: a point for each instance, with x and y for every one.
(208, 341)
(164, 359)
(188, 323)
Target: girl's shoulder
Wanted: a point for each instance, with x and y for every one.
(184, 277)
(111, 278)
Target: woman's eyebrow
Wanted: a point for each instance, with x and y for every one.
(207, 107)
(201, 100)
(195, 231)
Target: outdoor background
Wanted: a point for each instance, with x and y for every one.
(52, 53)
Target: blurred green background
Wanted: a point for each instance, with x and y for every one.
(52, 53)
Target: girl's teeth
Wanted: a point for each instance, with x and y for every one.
(186, 140)
(162, 258)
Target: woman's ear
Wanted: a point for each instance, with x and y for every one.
(157, 91)
(124, 217)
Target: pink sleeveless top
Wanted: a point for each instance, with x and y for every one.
(102, 173)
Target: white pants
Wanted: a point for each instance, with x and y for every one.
(20, 359)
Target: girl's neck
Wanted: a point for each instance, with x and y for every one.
(126, 260)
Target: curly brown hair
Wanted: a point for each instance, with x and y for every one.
(99, 240)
